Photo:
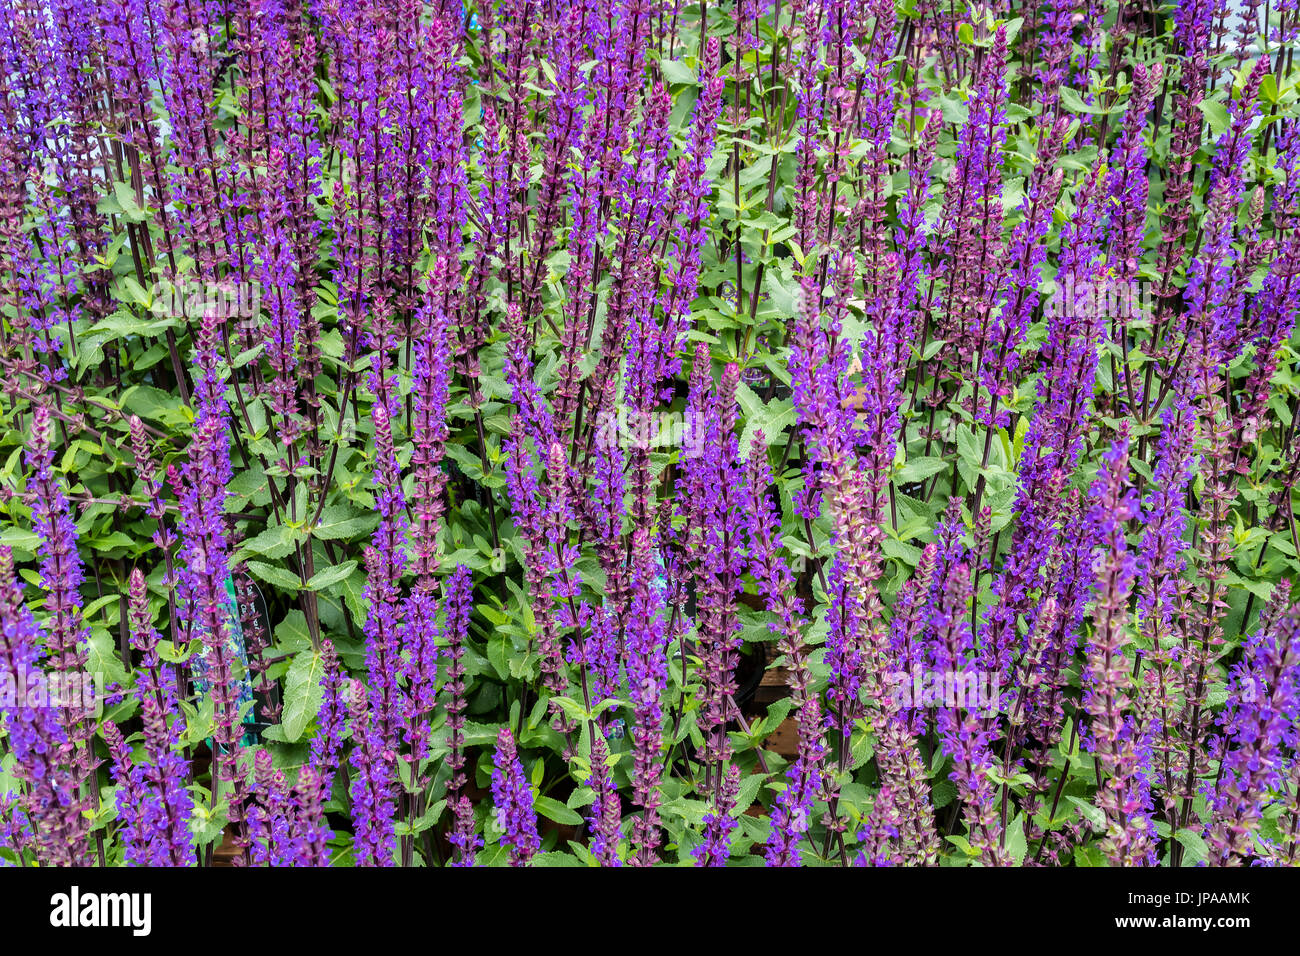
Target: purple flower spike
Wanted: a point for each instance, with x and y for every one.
(513, 798)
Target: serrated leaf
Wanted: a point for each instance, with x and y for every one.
(279, 577)
(303, 693)
(1194, 843)
(291, 634)
(341, 521)
(920, 468)
(331, 576)
(274, 542)
(1091, 813)
(678, 73)
(1216, 116)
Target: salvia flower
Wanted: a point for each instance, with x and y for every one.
(512, 796)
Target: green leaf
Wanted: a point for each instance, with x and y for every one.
(943, 793)
(274, 542)
(1088, 856)
(291, 634)
(920, 468)
(117, 539)
(555, 858)
(354, 596)
(330, 576)
(773, 418)
(102, 662)
(678, 73)
(303, 693)
(168, 652)
(1216, 116)
(126, 202)
(959, 841)
(749, 787)
(572, 708)
(279, 577)
(1017, 845)
(20, 538)
(1091, 813)
(1075, 103)
(343, 521)
(783, 299)
(554, 810)
(207, 828)
(1197, 849)
(153, 403)
(499, 650)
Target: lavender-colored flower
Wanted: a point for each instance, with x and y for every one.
(52, 822)
(66, 635)
(719, 822)
(1259, 729)
(513, 798)
(386, 561)
(1122, 748)
(374, 789)
(606, 809)
(647, 677)
(204, 560)
(327, 745)
(164, 776)
(61, 568)
(419, 668)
